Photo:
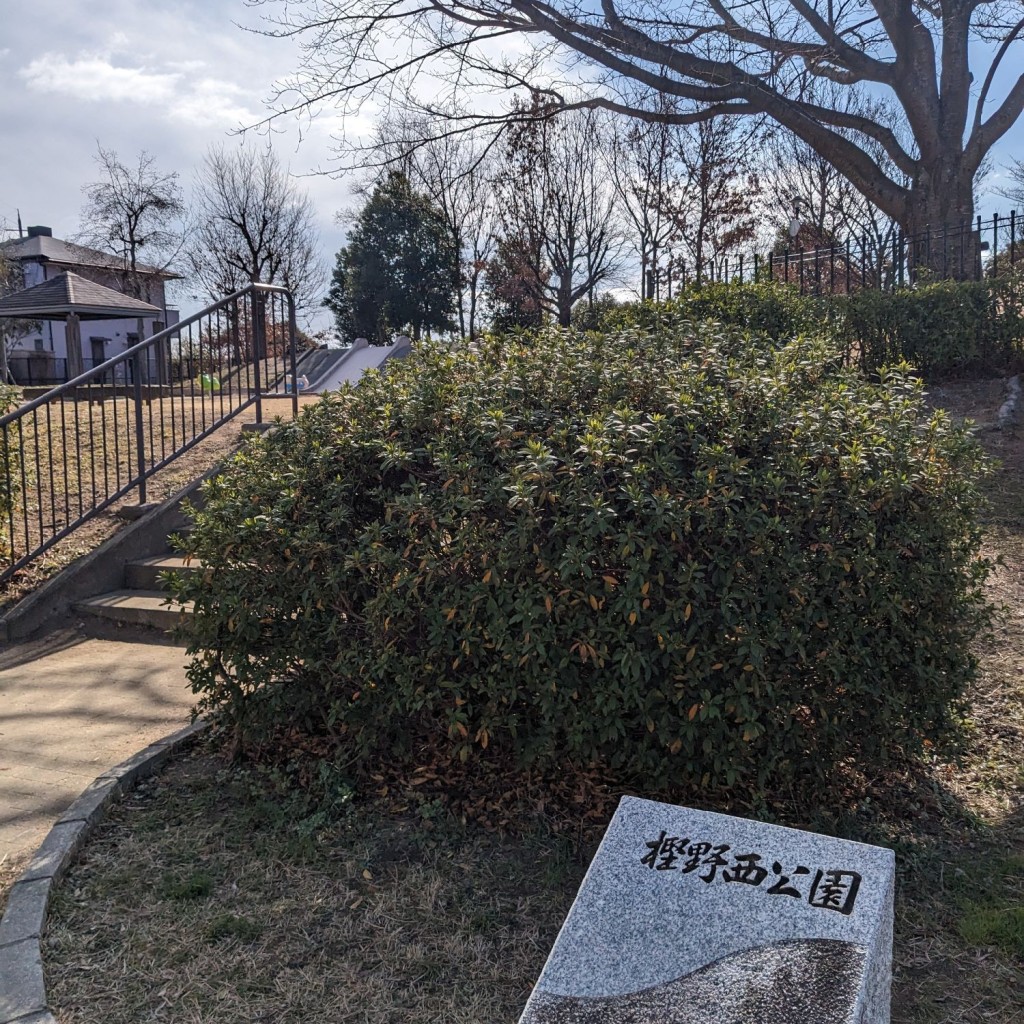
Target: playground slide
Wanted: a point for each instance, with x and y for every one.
(350, 364)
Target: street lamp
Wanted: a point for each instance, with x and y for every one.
(794, 220)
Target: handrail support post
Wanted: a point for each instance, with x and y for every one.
(140, 436)
(293, 369)
(256, 334)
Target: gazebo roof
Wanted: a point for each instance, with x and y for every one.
(60, 296)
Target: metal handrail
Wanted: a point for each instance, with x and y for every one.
(62, 464)
(167, 334)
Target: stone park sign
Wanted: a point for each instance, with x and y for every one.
(689, 917)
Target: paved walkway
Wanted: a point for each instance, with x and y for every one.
(71, 707)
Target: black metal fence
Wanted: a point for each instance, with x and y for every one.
(884, 260)
(82, 446)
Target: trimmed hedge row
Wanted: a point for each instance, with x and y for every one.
(765, 308)
(942, 329)
(665, 553)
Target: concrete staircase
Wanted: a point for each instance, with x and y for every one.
(143, 601)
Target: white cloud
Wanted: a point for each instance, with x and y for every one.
(170, 79)
(179, 88)
(212, 102)
(94, 77)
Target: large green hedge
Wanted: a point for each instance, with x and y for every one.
(942, 329)
(770, 308)
(668, 554)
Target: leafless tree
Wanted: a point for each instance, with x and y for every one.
(643, 174)
(12, 330)
(456, 172)
(1014, 190)
(801, 181)
(948, 66)
(134, 212)
(712, 205)
(555, 203)
(253, 223)
(830, 208)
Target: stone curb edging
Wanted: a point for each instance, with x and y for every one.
(22, 989)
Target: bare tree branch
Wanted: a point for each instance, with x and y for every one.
(712, 56)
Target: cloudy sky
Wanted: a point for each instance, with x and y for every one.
(167, 76)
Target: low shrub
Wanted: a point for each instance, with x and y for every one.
(764, 307)
(941, 328)
(667, 554)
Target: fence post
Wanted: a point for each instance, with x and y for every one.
(977, 262)
(1013, 254)
(140, 436)
(995, 244)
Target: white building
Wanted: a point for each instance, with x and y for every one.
(42, 357)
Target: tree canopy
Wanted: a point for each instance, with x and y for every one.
(943, 66)
(399, 269)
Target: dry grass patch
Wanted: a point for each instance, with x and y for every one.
(197, 901)
(11, 867)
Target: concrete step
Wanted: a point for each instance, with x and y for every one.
(143, 573)
(137, 607)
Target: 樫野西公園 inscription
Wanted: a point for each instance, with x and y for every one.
(823, 888)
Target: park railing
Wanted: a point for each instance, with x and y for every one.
(884, 260)
(79, 448)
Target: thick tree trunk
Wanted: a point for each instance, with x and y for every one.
(942, 241)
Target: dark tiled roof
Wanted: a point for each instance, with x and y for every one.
(55, 250)
(69, 293)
